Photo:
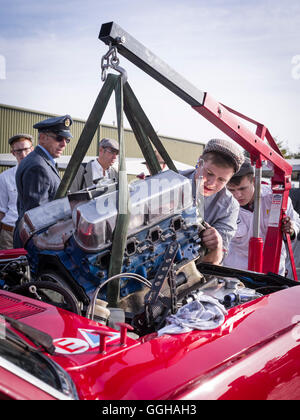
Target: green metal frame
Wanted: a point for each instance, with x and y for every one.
(145, 135)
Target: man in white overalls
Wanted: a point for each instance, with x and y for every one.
(242, 188)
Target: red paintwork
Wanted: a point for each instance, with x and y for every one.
(14, 388)
(254, 355)
(12, 253)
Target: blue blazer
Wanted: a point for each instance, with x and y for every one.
(37, 181)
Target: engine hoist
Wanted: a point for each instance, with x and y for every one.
(263, 257)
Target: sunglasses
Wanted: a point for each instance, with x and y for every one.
(59, 138)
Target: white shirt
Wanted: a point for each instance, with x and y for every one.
(8, 196)
(97, 171)
(238, 250)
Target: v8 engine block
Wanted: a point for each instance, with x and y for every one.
(73, 236)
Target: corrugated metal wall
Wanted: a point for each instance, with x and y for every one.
(182, 150)
(15, 120)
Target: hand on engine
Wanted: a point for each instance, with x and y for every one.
(212, 240)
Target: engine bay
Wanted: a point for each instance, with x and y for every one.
(147, 310)
(69, 251)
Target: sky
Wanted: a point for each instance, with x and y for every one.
(244, 53)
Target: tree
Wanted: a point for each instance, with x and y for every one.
(283, 148)
(296, 155)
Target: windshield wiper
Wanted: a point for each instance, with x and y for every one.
(64, 383)
(39, 338)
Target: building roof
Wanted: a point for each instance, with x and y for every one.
(134, 165)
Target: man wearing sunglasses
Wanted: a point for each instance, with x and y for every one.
(20, 146)
(37, 178)
(92, 172)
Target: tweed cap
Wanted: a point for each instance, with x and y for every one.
(228, 149)
(18, 137)
(113, 144)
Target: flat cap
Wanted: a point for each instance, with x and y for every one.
(18, 137)
(57, 125)
(228, 149)
(113, 144)
(246, 169)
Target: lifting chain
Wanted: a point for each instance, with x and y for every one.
(111, 60)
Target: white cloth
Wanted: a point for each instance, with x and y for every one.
(238, 250)
(206, 313)
(8, 196)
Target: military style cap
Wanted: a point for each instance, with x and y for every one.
(113, 144)
(57, 125)
(246, 169)
(18, 137)
(228, 149)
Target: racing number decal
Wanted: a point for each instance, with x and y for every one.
(71, 345)
(93, 339)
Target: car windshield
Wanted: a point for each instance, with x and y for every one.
(31, 362)
(15, 350)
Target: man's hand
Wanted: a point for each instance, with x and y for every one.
(287, 226)
(141, 176)
(212, 240)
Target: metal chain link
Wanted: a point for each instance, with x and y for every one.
(111, 60)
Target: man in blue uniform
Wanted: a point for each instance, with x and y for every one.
(37, 178)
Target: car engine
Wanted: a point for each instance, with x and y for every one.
(69, 244)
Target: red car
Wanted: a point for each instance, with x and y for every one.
(231, 335)
(47, 352)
